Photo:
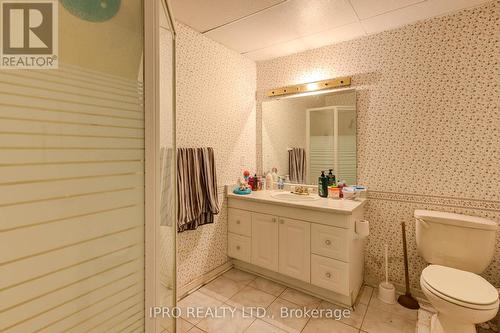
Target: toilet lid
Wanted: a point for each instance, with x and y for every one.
(460, 285)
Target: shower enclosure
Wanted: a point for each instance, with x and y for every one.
(166, 250)
(81, 184)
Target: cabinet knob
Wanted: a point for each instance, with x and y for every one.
(238, 247)
(282, 221)
(328, 275)
(274, 220)
(238, 222)
(328, 242)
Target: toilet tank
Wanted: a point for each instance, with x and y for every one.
(455, 240)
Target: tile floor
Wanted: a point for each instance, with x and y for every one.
(236, 291)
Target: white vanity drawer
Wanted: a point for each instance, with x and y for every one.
(239, 222)
(330, 274)
(239, 247)
(330, 242)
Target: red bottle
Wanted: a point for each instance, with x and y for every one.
(255, 183)
(250, 182)
(340, 186)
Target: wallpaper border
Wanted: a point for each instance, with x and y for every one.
(489, 205)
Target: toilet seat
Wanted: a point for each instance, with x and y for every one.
(460, 287)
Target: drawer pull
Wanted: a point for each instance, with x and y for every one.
(328, 275)
(328, 242)
(238, 222)
(238, 247)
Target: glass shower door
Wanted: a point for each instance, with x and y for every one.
(72, 155)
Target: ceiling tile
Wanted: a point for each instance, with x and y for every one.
(203, 15)
(419, 11)
(285, 22)
(369, 8)
(320, 39)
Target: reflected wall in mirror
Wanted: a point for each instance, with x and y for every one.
(302, 136)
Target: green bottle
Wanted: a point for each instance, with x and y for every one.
(331, 178)
(323, 185)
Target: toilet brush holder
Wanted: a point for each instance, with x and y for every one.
(386, 290)
(387, 293)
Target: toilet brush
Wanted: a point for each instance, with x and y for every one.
(386, 290)
(407, 299)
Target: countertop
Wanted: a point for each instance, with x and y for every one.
(339, 206)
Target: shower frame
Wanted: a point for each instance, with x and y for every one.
(152, 152)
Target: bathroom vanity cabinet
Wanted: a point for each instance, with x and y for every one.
(312, 246)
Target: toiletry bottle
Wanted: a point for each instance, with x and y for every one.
(255, 183)
(323, 185)
(333, 192)
(275, 174)
(331, 178)
(281, 185)
(251, 183)
(340, 185)
(269, 181)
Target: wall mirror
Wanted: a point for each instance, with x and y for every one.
(302, 136)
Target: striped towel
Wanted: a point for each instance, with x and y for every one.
(197, 199)
(297, 165)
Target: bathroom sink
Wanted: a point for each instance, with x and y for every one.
(287, 196)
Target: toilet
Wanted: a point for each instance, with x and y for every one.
(458, 248)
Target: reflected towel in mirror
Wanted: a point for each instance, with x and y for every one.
(297, 165)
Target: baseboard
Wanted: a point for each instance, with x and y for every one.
(200, 281)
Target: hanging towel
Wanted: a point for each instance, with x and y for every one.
(297, 165)
(196, 188)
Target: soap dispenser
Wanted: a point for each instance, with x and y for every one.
(331, 178)
(323, 185)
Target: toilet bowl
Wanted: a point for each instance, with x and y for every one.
(461, 299)
(458, 248)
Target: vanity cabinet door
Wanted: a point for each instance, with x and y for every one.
(295, 248)
(265, 241)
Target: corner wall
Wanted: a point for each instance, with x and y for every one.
(215, 107)
(428, 115)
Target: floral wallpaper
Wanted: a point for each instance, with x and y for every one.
(428, 117)
(215, 107)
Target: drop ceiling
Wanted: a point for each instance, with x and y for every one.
(266, 29)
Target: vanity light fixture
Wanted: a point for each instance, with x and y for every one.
(314, 93)
(311, 87)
